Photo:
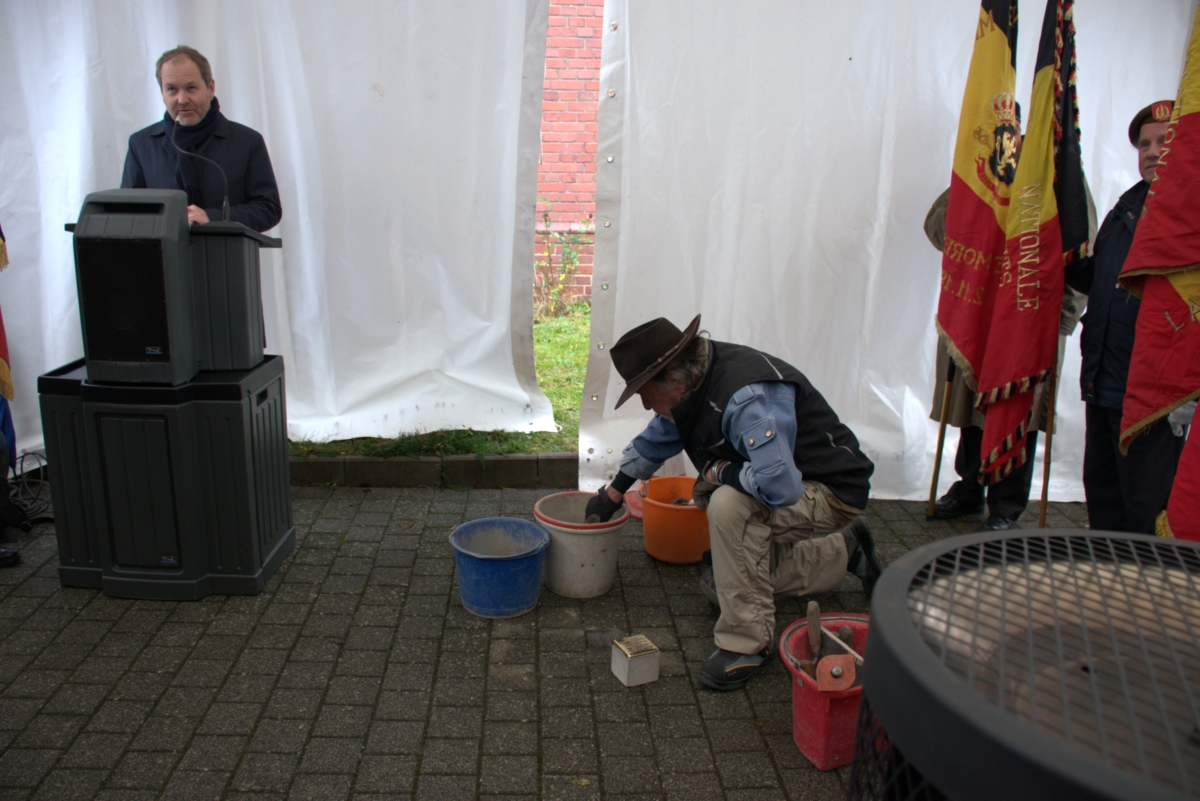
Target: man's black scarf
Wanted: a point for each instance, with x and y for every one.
(190, 138)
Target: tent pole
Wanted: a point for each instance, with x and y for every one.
(937, 464)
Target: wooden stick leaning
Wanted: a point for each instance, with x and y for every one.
(858, 660)
(1050, 421)
(937, 463)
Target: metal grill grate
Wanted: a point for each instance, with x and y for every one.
(1092, 641)
(881, 772)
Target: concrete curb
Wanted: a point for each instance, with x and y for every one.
(515, 471)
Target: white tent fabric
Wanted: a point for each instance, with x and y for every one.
(769, 165)
(404, 136)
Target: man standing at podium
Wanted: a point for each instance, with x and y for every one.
(195, 125)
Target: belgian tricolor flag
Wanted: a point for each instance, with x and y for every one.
(1046, 229)
(1163, 266)
(6, 385)
(985, 162)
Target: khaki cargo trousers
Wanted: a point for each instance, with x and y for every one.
(759, 552)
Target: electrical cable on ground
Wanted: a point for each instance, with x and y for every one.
(29, 491)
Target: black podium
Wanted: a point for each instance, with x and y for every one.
(167, 443)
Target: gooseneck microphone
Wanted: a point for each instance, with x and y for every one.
(225, 199)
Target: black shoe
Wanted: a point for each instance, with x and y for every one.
(948, 507)
(997, 523)
(11, 515)
(863, 561)
(9, 557)
(706, 558)
(709, 587)
(725, 670)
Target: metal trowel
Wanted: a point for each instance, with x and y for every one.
(835, 672)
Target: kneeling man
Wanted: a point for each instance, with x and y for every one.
(780, 476)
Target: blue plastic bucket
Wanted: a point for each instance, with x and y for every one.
(499, 563)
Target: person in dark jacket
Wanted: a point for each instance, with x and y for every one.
(194, 121)
(1124, 493)
(783, 480)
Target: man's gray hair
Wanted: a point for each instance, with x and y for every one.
(190, 53)
(688, 366)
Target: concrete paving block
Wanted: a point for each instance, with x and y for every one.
(513, 471)
(558, 470)
(310, 470)
(397, 471)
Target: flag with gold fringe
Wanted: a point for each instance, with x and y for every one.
(985, 162)
(1163, 267)
(1046, 229)
(6, 384)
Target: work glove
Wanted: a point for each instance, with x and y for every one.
(601, 508)
(1181, 417)
(1073, 304)
(702, 490)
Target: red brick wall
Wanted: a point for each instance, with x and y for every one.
(567, 167)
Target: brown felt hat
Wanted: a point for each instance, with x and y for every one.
(1159, 111)
(643, 352)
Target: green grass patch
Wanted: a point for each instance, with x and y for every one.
(560, 348)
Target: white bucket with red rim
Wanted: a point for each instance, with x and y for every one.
(581, 561)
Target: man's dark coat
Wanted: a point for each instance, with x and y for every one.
(1111, 318)
(241, 152)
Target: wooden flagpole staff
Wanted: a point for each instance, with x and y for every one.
(1052, 411)
(937, 464)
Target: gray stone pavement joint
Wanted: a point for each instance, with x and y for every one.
(358, 674)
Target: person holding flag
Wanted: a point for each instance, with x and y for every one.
(1007, 237)
(985, 163)
(1124, 492)
(1047, 228)
(1163, 270)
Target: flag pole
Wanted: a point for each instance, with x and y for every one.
(937, 464)
(1050, 422)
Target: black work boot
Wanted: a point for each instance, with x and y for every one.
(726, 670)
(863, 562)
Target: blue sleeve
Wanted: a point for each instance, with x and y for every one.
(657, 443)
(760, 423)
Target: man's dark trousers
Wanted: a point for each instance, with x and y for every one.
(1127, 493)
(1007, 498)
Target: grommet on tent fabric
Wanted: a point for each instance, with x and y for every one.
(604, 285)
(613, 25)
(612, 92)
(595, 397)
(600, 346)
(609, 159)
(608, 223)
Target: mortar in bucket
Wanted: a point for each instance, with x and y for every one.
(674, 530)
(582, 559)
(499, 563)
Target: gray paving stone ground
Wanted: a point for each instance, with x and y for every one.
(357, 674)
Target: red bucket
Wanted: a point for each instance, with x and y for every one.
(823, 724)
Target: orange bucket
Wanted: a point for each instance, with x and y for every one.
(673, 533)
